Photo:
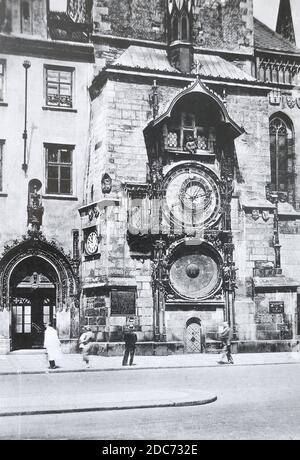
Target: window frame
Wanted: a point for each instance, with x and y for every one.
(59, 106)
(183, 130)
(176, 26)
(277, 157)
(3, 77)
(60, 165)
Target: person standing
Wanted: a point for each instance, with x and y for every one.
(85, 340)
(226, 337)
(130, 339)
(52, 345)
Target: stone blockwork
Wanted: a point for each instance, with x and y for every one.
(142, 19)
(119, 116)
(224, 24)
(177, 321)
(11, 20)
(270, 326)
(80, 10)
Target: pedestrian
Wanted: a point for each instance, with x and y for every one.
(85, 340)
(226, 337)
(130, 339)
(52, 345)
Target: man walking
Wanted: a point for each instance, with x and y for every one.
(130, 339)
(85, 344)
(226, 337)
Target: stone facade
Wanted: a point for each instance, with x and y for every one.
(169, 225)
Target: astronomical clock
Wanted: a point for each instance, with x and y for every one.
(192, 196)
(195, 274)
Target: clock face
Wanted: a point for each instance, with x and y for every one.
(195, 276)
(91, 245)
(192, 197)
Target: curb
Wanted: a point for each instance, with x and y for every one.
(112, 369)
(109, 408)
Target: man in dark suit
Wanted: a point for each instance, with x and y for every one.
(130, 339)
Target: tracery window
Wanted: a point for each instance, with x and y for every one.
(282, 149)
(180, 27)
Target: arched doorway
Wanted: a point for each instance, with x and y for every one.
(193, 336)
(33, 287)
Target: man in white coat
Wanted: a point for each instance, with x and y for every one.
(52, 345)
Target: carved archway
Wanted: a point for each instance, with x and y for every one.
(34, 244)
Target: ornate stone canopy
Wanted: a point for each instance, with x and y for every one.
(62, 271)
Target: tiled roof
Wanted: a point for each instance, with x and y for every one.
(136, 57)
(267, 39)
(216, 67)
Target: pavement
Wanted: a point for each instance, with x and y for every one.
(35, 362)
(21, 402)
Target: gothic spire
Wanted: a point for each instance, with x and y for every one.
(179, 4)
(285, 26)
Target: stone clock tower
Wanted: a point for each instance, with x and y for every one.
(190, 145)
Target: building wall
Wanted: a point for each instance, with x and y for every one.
(60, 216)
(11, 20)
(216, 23)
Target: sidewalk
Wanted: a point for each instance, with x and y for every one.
(24, 402)
(36, 363)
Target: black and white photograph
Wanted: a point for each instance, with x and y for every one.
(149, 223)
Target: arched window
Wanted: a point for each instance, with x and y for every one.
(282, 144)
(175, 29)
(180, 26)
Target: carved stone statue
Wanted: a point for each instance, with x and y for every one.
(191, 145)
(106, 184)
(35, 209)
(156, 172)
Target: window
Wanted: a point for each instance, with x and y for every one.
(2, 79)
(59, 169)
(282, 155)
(59, 87)
(185, 127)
(184, 28)
(180, 26)
(21, 311)
(1, 164)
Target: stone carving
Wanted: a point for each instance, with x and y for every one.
(156, 173)
(154, 100)
(35, 244)
(106, 184)
(266, 215)
(255, 214)
(191, 145)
